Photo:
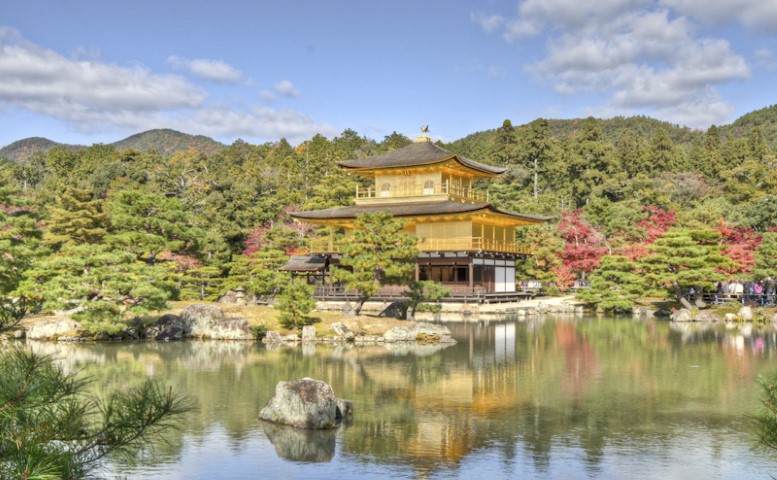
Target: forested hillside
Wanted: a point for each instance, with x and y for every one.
(164, 141)
(117, 232)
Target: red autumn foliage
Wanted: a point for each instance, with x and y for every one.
(584, 245)
(657, 223)
(740, 245)
(565, 277)
(256, 239)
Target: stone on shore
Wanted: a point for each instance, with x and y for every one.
(342, 331)
(682, 315)
(746, 314)
(168, 327)
(308, 333)
(307, 404)
(208, 321)
(53, 329)
(273, 337)
(421, 331)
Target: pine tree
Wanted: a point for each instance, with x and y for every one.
(614, 285)
(258, 273)
(295, 303)
(377, 252)
(147, 224)
(19, 239)
(681, 259)
(536, 149)
(106, 285)
(51, 427)
(78, 218)
(766, 257)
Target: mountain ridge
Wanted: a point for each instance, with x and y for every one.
(163, 140)
(168, 141)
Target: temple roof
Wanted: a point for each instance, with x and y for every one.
(304, 264)
(444, 207)
(416, 154)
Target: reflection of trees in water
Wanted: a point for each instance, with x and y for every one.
(530, 388)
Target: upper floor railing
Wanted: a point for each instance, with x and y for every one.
(454, 192)
(328, 245)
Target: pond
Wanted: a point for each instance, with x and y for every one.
(551, 398)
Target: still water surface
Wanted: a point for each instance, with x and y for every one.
(556, 398)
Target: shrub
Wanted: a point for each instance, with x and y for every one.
(294, 303)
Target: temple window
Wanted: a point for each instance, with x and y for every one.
(429, 187)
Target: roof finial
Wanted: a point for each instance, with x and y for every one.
(424, 137)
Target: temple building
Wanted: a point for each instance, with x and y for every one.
(464, 242)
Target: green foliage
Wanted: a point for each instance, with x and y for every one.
(259, 331)
(50, 428)
(377, 252)
(257, 273)
(295, 303)
(106, 285)
(147, 224)
(19, 239)
(685, 258)
(77, 218)
(614, 285)
(765, 419)
(424, 294)
(766, 257)
(11, 312)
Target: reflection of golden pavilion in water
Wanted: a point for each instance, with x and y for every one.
(448, 406)
(465, 242)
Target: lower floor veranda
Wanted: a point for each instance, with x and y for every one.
(475, 276)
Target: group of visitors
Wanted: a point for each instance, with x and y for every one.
(761, 292)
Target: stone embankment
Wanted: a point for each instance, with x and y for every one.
(468, 311)
(745, 314)
(423, 332)
(195, 321)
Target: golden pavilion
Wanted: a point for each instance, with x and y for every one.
(465, 243)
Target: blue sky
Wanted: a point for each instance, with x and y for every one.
(92, 71)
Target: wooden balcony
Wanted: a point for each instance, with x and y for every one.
(329, 245)
(452, 192)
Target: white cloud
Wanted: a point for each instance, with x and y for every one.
(267, 96)
(212, 70)
(286, 89)
(641, 58)
(488, 23)
(92, 96)
(758, 15)
(765, 58)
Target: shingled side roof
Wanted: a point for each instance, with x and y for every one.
(444, 207)
(420, 153)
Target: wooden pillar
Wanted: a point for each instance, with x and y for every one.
(471, 274)
(417, 270)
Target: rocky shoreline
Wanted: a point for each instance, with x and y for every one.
(208, 322)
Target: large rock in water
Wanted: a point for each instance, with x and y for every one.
(306, 403)
(207, 321)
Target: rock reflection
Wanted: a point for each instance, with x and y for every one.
(301, 445)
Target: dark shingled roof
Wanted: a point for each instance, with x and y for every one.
(420, 153)
(304, 264)
(408, 210)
